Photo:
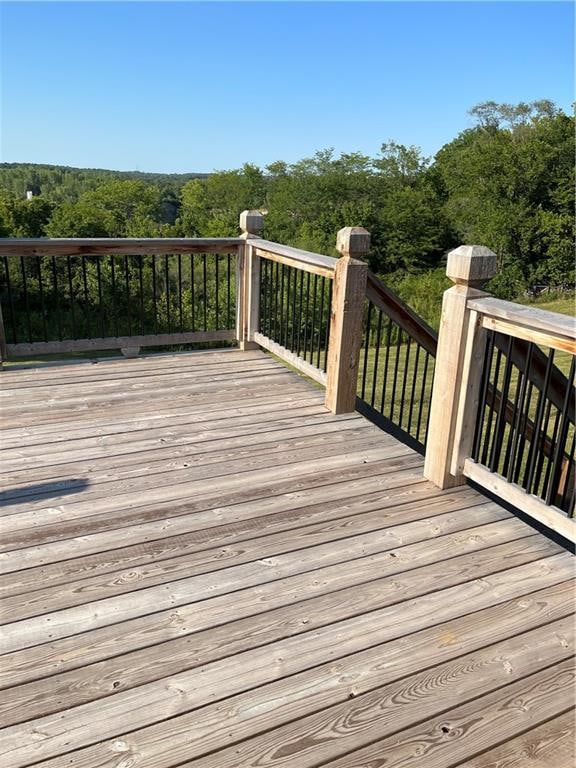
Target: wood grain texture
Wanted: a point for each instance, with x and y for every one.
(202, 566)
(550, 745)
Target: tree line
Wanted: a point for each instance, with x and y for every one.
(507, 182)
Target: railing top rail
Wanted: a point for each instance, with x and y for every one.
(392, 305)
(529, 317)
(74, 246)
(294, 254)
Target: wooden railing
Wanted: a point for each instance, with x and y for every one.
(396, 366)
(502, 412)
(75, 295)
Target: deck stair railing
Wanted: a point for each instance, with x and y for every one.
(491, 399)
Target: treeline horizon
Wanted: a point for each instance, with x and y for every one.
(507, 183)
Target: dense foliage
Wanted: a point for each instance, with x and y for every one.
(507, 182)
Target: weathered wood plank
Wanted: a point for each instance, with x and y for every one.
(61, 562)
(550, 745)
(131, 509)
(106, 610)
(322, 735)
(461, 732)
(486, 585)
(365, 534)
(91, 246)
(405, 644)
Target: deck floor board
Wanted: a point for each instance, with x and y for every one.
(203, 567)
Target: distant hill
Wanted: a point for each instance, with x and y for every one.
(61, 182)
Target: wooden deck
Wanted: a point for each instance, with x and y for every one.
(203, 567)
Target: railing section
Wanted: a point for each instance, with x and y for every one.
(504, 396)
(81, 295)
(396, 366)
(534, 447)
(291, 294)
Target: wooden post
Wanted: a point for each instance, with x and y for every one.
(350, 276)
(458, 367)
(248, 282)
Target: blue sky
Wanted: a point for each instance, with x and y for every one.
(190, 86)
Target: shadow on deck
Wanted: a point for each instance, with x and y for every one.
(204, 567)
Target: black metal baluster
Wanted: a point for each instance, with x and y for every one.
(559, 445)
(404, 381)
(128, 293)
(287, 323)
(522, 436)
(217, 289)
(313, 326)
(113, 280)
(300, 314)
(15, 337)
(56, 295)
(540, 452)
(26, 299)
(41, 293)
(154, 294)
(192, 295)
(376, 358)
(180, 315)
(366, 350)
(515, 436)
(294, 305)
(100, 307)
(500, 418)
(327, 330)
(413, 391)
(492, 408)
(71, 294)
(167, 291)
(228, 291)
(321, 319)
(423, 399)
(306, 317)
(205, 287)
(141, 292)
(569, 478)
(87, 303)
(485, 382)
(395, 379)
(386, 361)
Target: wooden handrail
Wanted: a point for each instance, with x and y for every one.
(94, 246)
(392, 305)
(529, 317)
(285, 254)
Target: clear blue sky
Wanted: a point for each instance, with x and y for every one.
(190, 86)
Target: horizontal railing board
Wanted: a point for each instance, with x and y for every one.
(551, 340)
(392, 305)
(552, 517)
(295, 254)
(96, 246)
(301, 265)
(291, 358)
(118, 342)
(529, 317)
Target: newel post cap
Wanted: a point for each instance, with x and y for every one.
(353, 241)
(471, 264)
(251, 222)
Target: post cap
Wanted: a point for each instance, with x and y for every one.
(471, 264)
(353, 241)
(251, 222)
